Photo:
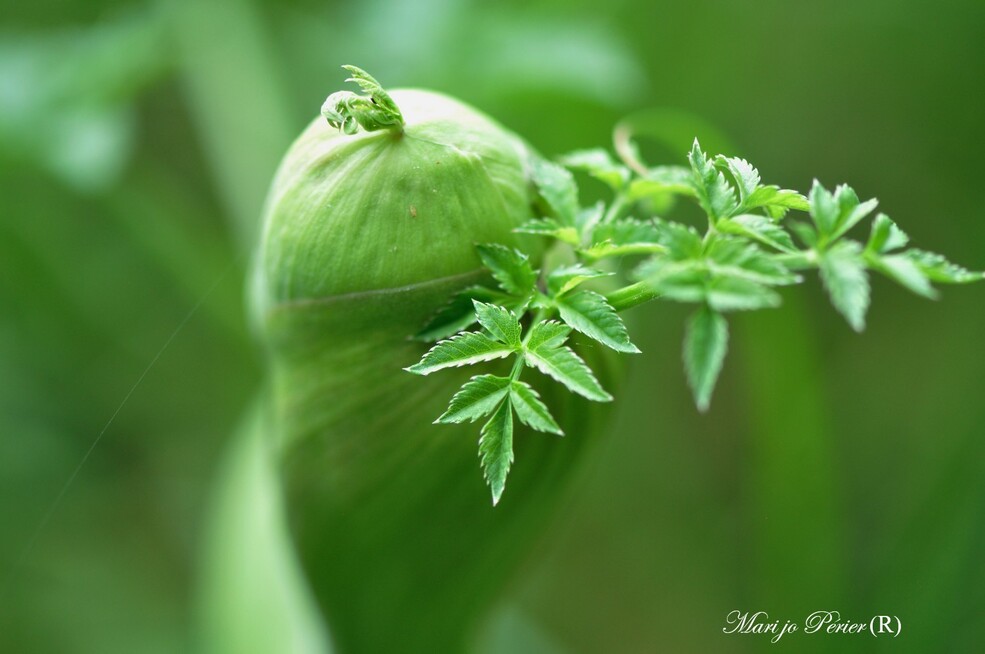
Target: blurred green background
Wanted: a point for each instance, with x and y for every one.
(834, 471)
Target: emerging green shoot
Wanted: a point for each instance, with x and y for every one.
(349, 111)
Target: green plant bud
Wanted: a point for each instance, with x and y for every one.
(386, 528)
(391, 208)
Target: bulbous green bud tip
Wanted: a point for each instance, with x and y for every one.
(373, 111)
(383, 211)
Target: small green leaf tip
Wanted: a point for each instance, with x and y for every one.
(705, 346)
(496, 449)
(349, 111)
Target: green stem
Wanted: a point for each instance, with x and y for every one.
(800, 260)
(615, 209)
(631, 296)
(518, 364)
(542, 314)
(712, 230)
(622, 138)
(517, 367)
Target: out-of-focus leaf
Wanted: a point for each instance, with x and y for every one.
(563, 279)
(549, 227)
(844, 276)
(599, 164)
(885, 236)
(836, 213)
(758, 228)
(557, 186)
(904, 272)
(510, 267)
(705, 345)
(624, 237)
(939, 269)
(66, 98)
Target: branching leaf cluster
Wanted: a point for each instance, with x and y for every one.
(541, 346)
(757, 239)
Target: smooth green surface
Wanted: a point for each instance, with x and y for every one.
(381, 500)
(253, 593)
(386, 209)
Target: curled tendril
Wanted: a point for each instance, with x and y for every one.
(349, 111)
